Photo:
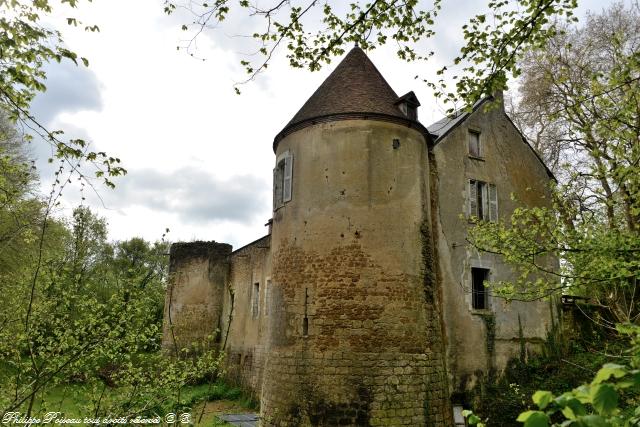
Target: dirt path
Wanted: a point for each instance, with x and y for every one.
(217, 407)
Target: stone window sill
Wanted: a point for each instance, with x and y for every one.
(476, 158)
(483, 312)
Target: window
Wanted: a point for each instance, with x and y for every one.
(282, 176)
(267, 298)
(478, 291)
(474, 144)
(458, 418)
(483, 200)
(255, 300)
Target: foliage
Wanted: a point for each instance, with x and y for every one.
(26, 46)
(77, 309)
(578, 95)
(96, 318)
(595, 404)
(504, 400)
(494, 40)
(596, 262)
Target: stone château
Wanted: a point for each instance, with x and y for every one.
(364, 305)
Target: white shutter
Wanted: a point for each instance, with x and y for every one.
(493, 203)
(275, 188)
(473, 198)
(483, 187)
(288, 173)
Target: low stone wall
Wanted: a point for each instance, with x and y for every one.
(353, 389)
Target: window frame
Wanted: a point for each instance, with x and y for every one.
(478, 134)
(255, 300)
(283, 180)
(479, 288)
(267, 298)
(482, 200)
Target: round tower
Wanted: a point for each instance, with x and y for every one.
(355, 335)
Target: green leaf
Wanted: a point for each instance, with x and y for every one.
(608, 370)
(542, 398)
(592, 421)
(571, 407)
(604, 398)
(533, 419)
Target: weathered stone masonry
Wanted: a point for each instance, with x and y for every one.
(193, 306)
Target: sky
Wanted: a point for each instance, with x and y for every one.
(199, 157)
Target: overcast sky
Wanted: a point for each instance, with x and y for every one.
(199, 157)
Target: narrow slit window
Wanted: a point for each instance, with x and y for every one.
(305, 320)
(478, 291)
(474, 144)
(267, 298)
(255, 300)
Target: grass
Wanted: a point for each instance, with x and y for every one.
(202, 401)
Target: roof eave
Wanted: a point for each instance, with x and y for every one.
(294, 127)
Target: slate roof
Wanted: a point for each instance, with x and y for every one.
(354, 89)
(355, 85)
(442, 127)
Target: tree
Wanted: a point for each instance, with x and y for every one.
(70, 314)
(96, 319)
(580, 93)
(493, 40)
(26, 45)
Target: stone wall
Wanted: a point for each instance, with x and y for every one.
(479, 341)
(356, 338)
(198, 273)
(346, 388)
(243, 329)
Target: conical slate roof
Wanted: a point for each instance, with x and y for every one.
(355, 85)
(355, 88)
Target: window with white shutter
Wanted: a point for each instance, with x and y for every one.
(483, 200)
(255, 300)
(288, 173)
(267, 298)
(473, 198)
(283, 180)
(493, 203)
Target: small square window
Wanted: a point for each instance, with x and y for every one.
(478, 291)
(474, 144)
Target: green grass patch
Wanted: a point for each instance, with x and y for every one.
(78, 400)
